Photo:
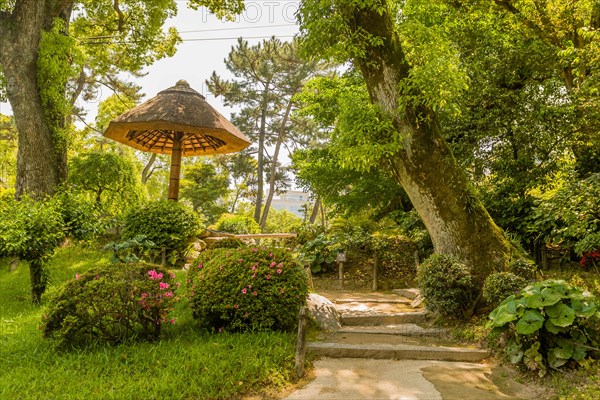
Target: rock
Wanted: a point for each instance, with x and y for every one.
(416, 303)
(408, 293)
(323, 312)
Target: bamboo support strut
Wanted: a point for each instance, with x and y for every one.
(175, 167)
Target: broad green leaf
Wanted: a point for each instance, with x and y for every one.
(554, 361)
(564, 351)
(504, 314)
(584, 309)
(515, 352)
(550, 327)
(579, 353)
(530, 322)
(561, 314)
(546, 297)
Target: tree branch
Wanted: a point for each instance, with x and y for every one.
(121, 20)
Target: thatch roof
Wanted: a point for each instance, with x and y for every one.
(179, 110)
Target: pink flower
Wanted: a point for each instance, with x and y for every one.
(254, 293)
(144, 295)
(254, 249)
(272, 264)
(268, 277)
(200, 266)
(280, 265)
(178, 284)
(220, 330)
(163, 285)
(172, 321)
(244, 290)
(236, 306)
(279, 271)
(221, 268)
(76, 276)
(168, 294)
(271, 255)
(172, 275)
(254, 268)
(241, 260)
(253, 276)
(249, 286)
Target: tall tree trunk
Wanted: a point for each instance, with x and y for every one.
(272, 178)
(37, 161)
(261, 153)
(41, 158)
(148, 170)
(439, 190)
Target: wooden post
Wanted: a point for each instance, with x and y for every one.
(175, 166)
(164, 256)
(301, 343)
(341, 259)
(375, 273)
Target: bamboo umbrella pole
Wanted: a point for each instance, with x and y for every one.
(175, 167)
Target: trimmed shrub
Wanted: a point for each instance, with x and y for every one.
(500, 285)
(548, 324)
(246, 289)
(523, 267)
(239, 224)
(228, 243)
(111, 304)
(447, 286)
(166, 223)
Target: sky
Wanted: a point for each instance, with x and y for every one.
(207, 41)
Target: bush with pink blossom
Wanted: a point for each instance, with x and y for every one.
(246, 289)
(111, 304)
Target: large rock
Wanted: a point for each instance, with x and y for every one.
(323, 312)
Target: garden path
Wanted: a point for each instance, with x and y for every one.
(387, 350)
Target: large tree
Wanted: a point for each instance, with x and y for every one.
(52, 51)
(267, 78)
(409, 73)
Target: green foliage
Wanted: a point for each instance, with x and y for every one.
(570, 217)
(110, 178)
(319, 253)
(165, 223)
(128, 251)
(204, 185)
(246, 289)
(281, 221)
(31, 230)
(239, 224)
(500, 285)
(111, 304)
(228, 243)
(523, 267)
(82, 219)
(548, 324)
(447, 286)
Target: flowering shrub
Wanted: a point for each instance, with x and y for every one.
(246, 288)
(111, 304)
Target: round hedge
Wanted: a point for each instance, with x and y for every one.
(446, 285)
(111, 304)
(166, 223)
(246, 289)
(500, 285)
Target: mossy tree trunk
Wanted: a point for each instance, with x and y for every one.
(439, 190)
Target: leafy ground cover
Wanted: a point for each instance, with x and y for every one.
(185, 364)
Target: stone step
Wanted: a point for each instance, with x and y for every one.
(383, 338)
(370, 319)
(411, 293)
(396, 329)
(373, 300)
(396, 351)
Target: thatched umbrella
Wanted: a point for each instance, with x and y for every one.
(177, 121)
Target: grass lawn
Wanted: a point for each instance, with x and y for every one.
(185, 364)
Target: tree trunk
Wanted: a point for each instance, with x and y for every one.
(315, 211)
(38, 170)
(439, 190)
(148, 170)
(261, 155)
(272, 178)
(37, 280)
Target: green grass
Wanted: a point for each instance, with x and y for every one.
(185, 364)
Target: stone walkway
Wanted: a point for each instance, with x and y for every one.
(385, 350)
